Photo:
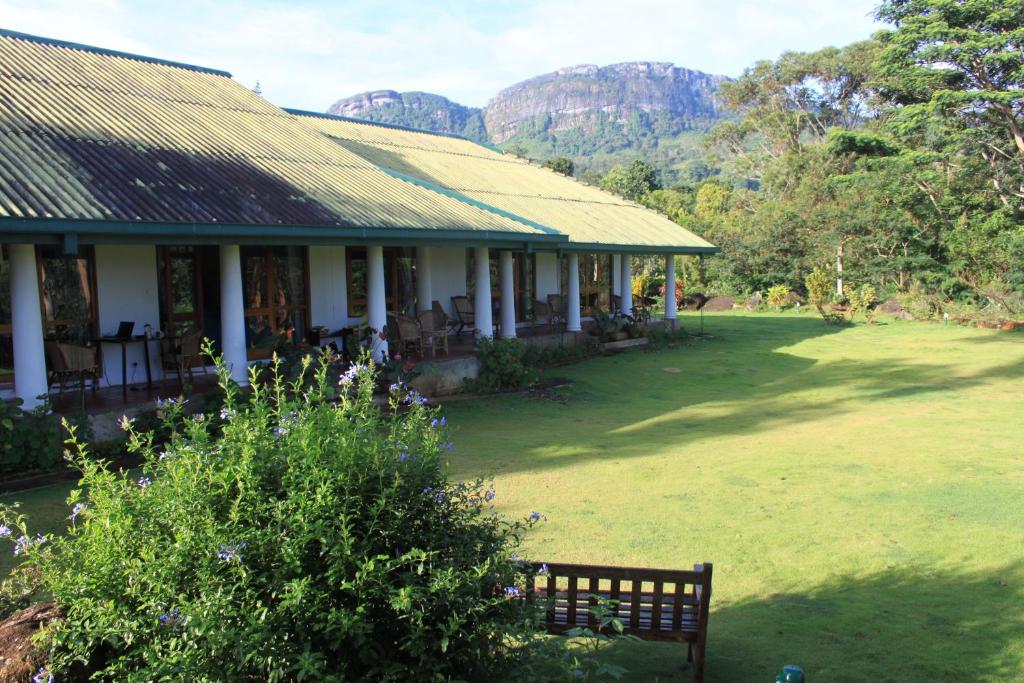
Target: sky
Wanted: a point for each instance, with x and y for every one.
(307, 54)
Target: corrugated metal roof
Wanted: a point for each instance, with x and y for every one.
(587, 215)
(91, 135)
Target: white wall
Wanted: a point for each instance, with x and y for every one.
(547, 275)
(328, 288)
(448, 276)
(126, 289)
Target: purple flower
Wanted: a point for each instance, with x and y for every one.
(145, 482)
(126, 422)
(544, 571)
(350, 375)
(226, 414)
(403, 456)
(77, 510)
(229, 553)
(536, 517)
(24, 543)
(43, 676)
(280, 431)
(434, 422)
(512, 591)
(199, 417)
(444, 421)
(172, 618)
(5, 531)
(489, 496)
(395, 387)
(422, 400)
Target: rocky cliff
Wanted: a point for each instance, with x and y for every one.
(588, 96)
(416, 110)
(598, 116)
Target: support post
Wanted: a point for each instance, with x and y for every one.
(572, 301)
(27, 327)
(232, 313)
(482, 294)
(508, 295)
(424, 293)
(626, 280)
(376, 301)
(670, 289)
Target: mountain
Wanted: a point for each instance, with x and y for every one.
(416, 110)
(597, 116)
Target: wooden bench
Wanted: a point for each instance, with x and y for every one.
(653, 604)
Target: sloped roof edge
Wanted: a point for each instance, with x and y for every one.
(7, 33)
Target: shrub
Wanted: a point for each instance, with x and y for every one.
(29, 439)
(502, 366)
(819, 288)
(317, 538)
(862, 298)
(778, 296)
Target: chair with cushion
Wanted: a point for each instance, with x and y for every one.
(407, 334)
(556, 306)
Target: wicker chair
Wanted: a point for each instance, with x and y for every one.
(70, 361)
(434, 331)
(441, 315)
(407, 334)
(181, 354)
(464, 313)
(556, 307)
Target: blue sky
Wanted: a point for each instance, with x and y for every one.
(306, 54)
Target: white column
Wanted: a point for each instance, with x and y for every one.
(482, 295)
(508, 294)
(670, 286)
(376, 299)
(424, 295)
(626, 280)
(572, 299)
(232, 313)
(27, 327)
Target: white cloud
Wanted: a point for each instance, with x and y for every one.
(307, 54)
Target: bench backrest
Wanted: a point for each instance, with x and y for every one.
(654, 603)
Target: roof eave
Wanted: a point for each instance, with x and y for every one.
(50, 230)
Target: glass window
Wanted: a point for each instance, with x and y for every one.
(68, 286)
(274, 285)
(399, 280)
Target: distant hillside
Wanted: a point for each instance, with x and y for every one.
(598, 116)
(416, 110)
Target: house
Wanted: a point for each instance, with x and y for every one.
(169, 195)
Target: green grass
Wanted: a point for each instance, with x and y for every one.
(859, 491)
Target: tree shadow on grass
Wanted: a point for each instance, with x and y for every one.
(740, 382)
(905, 624)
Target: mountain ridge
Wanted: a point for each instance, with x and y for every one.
(595, 115)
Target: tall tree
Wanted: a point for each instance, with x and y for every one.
(960, 62)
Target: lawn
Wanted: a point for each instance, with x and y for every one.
(859, 491)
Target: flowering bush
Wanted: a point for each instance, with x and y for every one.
(302, 534)
(680, 293)
(503, 366)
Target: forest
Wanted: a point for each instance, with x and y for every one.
(897, 162)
